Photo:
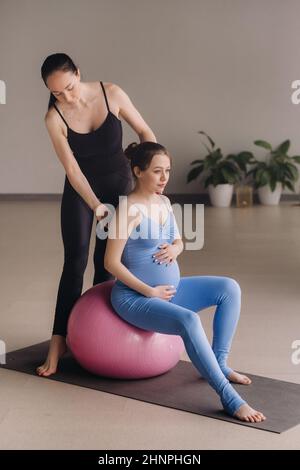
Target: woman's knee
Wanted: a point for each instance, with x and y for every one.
(231, 287)
(190, 321)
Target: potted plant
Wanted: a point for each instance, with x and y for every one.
(276, 173)
(219, 173)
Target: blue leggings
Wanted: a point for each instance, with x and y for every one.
(178, 317)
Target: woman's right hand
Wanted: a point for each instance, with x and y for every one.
(165, 292)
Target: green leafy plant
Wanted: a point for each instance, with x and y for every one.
(243, 160)
(278, 167)
(215, 168)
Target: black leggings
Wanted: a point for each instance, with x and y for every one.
(76, 226)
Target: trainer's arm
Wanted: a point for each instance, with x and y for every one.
(130, 114)
(69, 162)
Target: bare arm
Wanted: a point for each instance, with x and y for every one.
(66, 157)
(128, 111)
(179, 245)
(121, 225)
(177, 242)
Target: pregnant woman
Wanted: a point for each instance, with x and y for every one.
(142, 246)
(83, 121)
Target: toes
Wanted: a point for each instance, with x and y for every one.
(258, 416)
(48, 372)
(42, 370)
(246, 380)
(252, 416)
(240, 378)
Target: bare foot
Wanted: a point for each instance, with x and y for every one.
(57, 349)
(246, 413)
(239, 378)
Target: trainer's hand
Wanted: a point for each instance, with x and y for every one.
(101, 211)
(164, 292)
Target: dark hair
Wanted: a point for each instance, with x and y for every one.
(141, 155)
(54, 62)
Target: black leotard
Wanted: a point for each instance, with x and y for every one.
(101, 158)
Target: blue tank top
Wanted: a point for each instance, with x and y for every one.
(142, 243)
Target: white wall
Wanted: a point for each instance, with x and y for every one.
(224, 66)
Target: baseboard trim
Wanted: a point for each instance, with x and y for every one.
(180, 198)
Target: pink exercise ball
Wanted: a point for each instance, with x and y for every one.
(105, 344)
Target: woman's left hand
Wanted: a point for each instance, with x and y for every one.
(166, 254)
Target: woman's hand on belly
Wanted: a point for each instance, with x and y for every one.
(165, 292)
(166, 254)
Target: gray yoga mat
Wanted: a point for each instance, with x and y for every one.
(181, 388)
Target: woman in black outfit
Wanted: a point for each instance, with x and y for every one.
(97, 173)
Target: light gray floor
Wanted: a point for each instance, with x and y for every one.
(259, 247)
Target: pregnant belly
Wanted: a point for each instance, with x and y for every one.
(155, 274)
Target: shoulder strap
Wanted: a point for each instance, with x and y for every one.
(60, 115)
(105, 95)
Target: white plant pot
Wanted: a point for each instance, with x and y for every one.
(220, 195)
(269, 197)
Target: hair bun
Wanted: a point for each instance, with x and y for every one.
(130, 151)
